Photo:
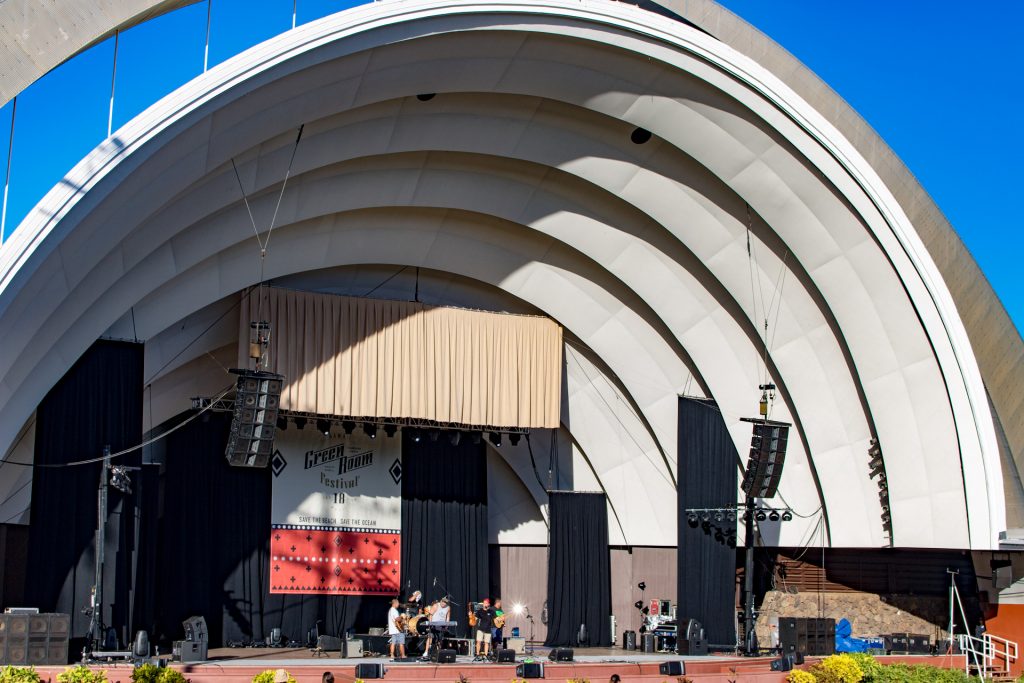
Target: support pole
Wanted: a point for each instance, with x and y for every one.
(113, 81)
(295, 10)
(96, 623)
(206, 50)
(7, 177)
(749, 647)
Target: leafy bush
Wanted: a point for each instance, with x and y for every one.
(18, 674)
(172, 676)
(267, 677)
(82, 674)
(798, 676)
(838, 669)
(147, 673)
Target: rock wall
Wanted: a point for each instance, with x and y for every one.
(870, 614)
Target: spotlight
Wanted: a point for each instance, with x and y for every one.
(642, 585)
(349, 426)
(300, 423)
(731, 516)
(787, 516)
(390, 429)
(691, 519)
(646, 610)
(454, 437)
(370, 430)
(719, 516)
(282, 422)
(517, 609)
(495, 438)
(416, 435)
(435, 434)
(324, 427)
(514, 439)
(705, 527)
(705, 516)
(719, 537)
(760, 516)
(477, 437)
(638, 604)
(773, 517)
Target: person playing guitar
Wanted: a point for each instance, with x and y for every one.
(497, 633)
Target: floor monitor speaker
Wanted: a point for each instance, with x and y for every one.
(673, 668)
(530, 670)
(445, 656)
(506, 656)
(370, 670)
(560, 654)
(783, 664)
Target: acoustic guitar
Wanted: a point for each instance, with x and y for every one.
(499, 621)
(472, 618)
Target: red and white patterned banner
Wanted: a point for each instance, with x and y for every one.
(336, 517)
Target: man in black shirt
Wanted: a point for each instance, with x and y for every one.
(484, 623)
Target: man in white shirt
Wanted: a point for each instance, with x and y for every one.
(440, 612)
(395, 630)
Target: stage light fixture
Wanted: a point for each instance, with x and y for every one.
(435, 434)
(773, 517)
(642, 585)
(760, 516)
(349, 426)
(705, 527)
(324, 427)
(705, 516)
(691, 519)
(416, 435)
(517, 609)
(787, 516)
(514, 438)
(495, 438)
(370, 430)
(282, 423)
(719, 517)
(300, 423)
(390, 429)
(719, 537)
(454, 437)
(731, 516)
(731, 541)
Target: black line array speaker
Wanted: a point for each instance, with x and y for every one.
(561, 654)
(369, 670)
(673, 668)
(807, 636)
(767, 455)
(530, 670)
(506, 656)
(34, 639)
(254, 422)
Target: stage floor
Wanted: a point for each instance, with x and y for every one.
(283, 655)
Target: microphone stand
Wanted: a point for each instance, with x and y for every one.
(529, 642)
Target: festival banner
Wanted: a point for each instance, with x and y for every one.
(336, 514)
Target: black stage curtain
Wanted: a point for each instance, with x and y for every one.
(707, 479)
(579, 569)
(444, 520)
(97, 403)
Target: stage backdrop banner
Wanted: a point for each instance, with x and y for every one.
(336, 514)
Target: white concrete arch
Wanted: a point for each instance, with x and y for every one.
(756, 138)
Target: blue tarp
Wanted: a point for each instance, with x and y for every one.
(845, 642)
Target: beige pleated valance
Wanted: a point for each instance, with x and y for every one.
(370, 357)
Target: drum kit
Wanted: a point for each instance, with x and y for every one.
(417, 623)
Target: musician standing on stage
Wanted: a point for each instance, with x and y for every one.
(395, 630)
(484, 623)
(441, 612)
(497, 634)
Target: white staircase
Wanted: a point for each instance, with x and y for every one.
(989, 657)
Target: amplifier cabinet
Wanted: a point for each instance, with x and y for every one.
(34, 639)
(517, 645)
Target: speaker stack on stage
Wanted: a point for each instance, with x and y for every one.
(767, 456)
(195, 647)
(560, 654)
(34, 639)
(629, 640)
(254, 422)
(366, 670)
(692, 641)
(530, 670)
(807, 636)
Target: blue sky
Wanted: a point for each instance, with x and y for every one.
(943, 88)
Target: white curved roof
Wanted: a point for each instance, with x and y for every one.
(520, 175)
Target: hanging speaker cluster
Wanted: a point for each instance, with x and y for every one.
(254, 422)
(767, 455)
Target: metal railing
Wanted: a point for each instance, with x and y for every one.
(987, 655)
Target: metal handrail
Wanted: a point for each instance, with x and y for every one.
(990, 651)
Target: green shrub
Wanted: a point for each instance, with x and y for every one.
(18, 674)
(82, 674)
(798, 676)
(147, 673)
(169, 675)
(838, 669)
(268, 677)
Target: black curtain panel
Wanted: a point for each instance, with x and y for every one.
(97, 403)
(707, 479)
(579, 570)
(444, 519)
(214, 552)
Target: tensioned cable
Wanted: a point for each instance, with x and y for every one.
(130, 448)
